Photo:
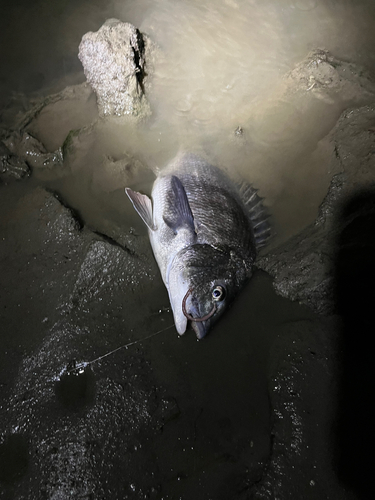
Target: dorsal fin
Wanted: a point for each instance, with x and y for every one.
(178, 213)
(143, 206)
(256, 212)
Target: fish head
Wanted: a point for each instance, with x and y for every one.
(203, 281)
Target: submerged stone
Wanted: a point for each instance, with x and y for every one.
(326, 77)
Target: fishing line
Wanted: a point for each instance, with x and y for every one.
(79, 367)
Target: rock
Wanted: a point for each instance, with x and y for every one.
(325, 77)
(354, 145)
(107, 270)
(60, 426)
(41, 241)
(64, 426)
(11, 167)
(114, 64)
(32, 153)
(303, 268)
(302, 372)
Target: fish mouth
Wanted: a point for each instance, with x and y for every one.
(200, 328)
(200, 324)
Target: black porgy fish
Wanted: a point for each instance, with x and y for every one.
(205, 231)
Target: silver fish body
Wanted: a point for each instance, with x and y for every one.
(204, 231)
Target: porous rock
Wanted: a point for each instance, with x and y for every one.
(114, 65)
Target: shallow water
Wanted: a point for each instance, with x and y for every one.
(220, 65)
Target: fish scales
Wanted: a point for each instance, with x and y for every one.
(218, 217)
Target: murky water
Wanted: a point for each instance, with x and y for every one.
(220, 65)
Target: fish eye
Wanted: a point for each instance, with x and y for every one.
(218, 293)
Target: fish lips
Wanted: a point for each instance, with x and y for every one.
(200, 328)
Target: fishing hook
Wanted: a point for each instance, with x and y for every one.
(203, 318)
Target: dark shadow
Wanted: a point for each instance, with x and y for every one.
(355, 300)
(75, 389)
(14, 459)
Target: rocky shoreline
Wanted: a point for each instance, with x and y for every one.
(71, 291)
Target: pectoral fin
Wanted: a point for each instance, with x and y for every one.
(178, 213)
(143, 206)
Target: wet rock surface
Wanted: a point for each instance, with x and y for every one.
(11, 167)
(33, 141)
(77, 424)
(73, 424)
(304, 267)
(262, 409)
(300, 375)
(114, 64)
(61, 424)
(32, 153)
(329, 267)
(325, 76)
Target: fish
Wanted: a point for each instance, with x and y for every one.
(205, 231)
